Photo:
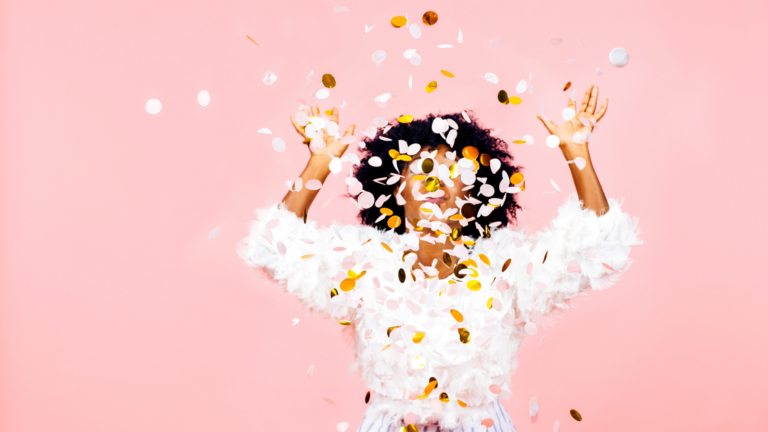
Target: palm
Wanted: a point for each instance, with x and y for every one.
(332, 145)
(567, 132)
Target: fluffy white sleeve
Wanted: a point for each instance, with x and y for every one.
(578, 251)
(278, 240)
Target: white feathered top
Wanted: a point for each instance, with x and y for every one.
(582, 250)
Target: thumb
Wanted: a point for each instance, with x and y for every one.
(549, 124)
(350, 130)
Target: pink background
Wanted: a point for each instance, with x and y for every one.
(120, 314)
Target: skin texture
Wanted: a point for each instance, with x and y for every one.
(588, 186)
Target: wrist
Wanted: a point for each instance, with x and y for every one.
(573, 151)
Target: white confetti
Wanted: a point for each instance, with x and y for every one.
(554, 185)
(153, 106)
(466, 117)
(213, 233)
(495, 165)
(203, 98)
(410, 82)
(269, 78)
(295, 321)
(311, 370)
(314, 185)
(378, 56)
(490, 77)
(556, 427)
(521, 87)
(461, 37)
(555, 41)
(265, 131)
(323, 93)
(553, 141)
(335, 165)
(409, 53)
(445, 46)
(580, 162)
(618, 57)
(415, 31)
(495, 43)
(367, 29)
(576, 137)
(570, 61)
(528, 139)
(342, 427)
(531, 329)
(416, 59)
(375, 161)
(380, 121)
(533, 409)
(568, 114)
(598, 71)
(278, 144)
(341, 9)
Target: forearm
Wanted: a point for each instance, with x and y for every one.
(587, 184)
(316, 169)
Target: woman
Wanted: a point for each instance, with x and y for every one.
(436, 292)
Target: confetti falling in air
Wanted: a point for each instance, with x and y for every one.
(618, 57)
(367, 29)
(310, 371)
(495, 43)
(556, 426)
(251, 39)
(342, 427)
(491, 78)
(446, 73)
(341, 9)
(553, 141)
(278, 144)
(153, 106)
(203, 98)
(555, 41)
(329, 81)
(445, 46)
(567, 86)
(598, 71)
(329, 401)
(429, 18)
(212, 235)
(576, 415)
(265, 131)
(269, 78)
(542, 339)
(378, 57)
(554, 185)
(580, 162)
(398, 21)
(432, 86)
(415, 31)
(295, 321)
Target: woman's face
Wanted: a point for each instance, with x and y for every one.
(430, 187)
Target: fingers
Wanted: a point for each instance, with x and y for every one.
(585, 101)
(592, 100)
(298, 128)
(335, 115)
(601, 112)
(549, 124)
(571, 103)
(350, 130)
(315, 110)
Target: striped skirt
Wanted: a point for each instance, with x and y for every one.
(501, 423)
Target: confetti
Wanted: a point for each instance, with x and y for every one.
(461, 403)
(576, 415)
(329, 81)
(598, 71)
(618, 57)
(345, 323)
(368, 396)
(394, 222)
(567, 86)
(278, 144)
(323, 93)
(418, 337)
(556, 427)
(555, 41)
(203, 98)
(212, 235)
(409, 53)
(461, 37)
(398, 21)
(533, 409)
(329, 401)
(429, 18)
(568, 114)
(464, 335)
(410, 82)
(553, 141)
(269, 78)
(516, 178)
(514, 100)
(432, 86)
(416, 59)
(521, 87)
(343, 426)
(446, 73)
(367, 29)
(488, 423)
(307, 256)
(341, 9)
(531, 329)
(457, 315)
(580, 162)
(295, 321)
(251, 39)
(503, 97)
(153, 106)
(379, 56)
(495, 43)
(554, 185)
(474, 285)
(415, 31)
(265, 131)
(495, 389)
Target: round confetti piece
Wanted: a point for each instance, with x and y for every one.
(457, 315)
(379, 56)
(269, 78)
(461, 403)
(347, 284)
(531, 329)
(514, 100)
(203, 98)
(278, 144)
(375, 161)
(323, 93)
(415, 31)
(405, 119)
(394, 222)
(365, 200)
(485, 159)
(212, 235)
(556, 426)
(576, 415)
(618, 57)
(153, 106)
(536, 316)
(503, 97)
(429, 18)
(495, 389)
(567, 86)
(345, 323)
(418, 337)
(446, 73)
(521, 87)
(432, 86)
(411, 428)
(553, 141)
(329, 81)
(495, 43)
(516, 178)
(580, 162)
(416, 59)
(488, 423)
(474, 285)
(470, 152)
(387, 212)
(533, 409)
(342, 427)
(398, 21)
(568, 114)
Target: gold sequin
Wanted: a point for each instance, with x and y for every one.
(567, 86)
(347, 284)
(405, 119)
(576, 415)
(386, 246)
(417, 338)
(401, 275)
(489, 305)
(461, 403)
(368, 397)
(474, 285)
(307, 256)
(432, 184)
(447, 259)
(457, 315)
(457, 269)
(485, 259)
(398, 21)
(432, 86)
(429, 18)
(444, 398)
(446, 73)
(411, 428)
(329, 81)
(394, 222)
(345, 322)
(407, 253)
(485, 159)
(386, 211)
(506, 265)
(427, 166)
(514, 100)
(464, 335)
(503, 97)
(470, 152)
(391, 329)
(455, 234)
(516, 178)
(334, 292)
(545, 257)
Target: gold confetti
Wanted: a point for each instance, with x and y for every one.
(522, 187)
(490, 303)
(405, 119)
(485, 159)
(251, 39)
(413, 275)
(461, 403)
(457, 269)
(429, 18)
(519, 141)
(368, 396)
(386, 246)
(575, 414)
(455, 234)
(347, 284)
(506, 265)
(567, 86)
(447, 259)
(419, 177)
(444, 398)
(386, 211)
(432, 184)
(485, 259)
(474, 285)
(401, 275)
(503, 97)
(545, 257)
(418, 337)
(469, 242)
(514, 100)
(334, 292)
(365, 242)
(456, 217)
(398, 21)
(516, 178)
(394, 222)
(329, 81)
(470, 262)
(386, 347)
(327, 202)
(446, 73)
(306, 210)
(432, 380)
(427, 166)
(411, 428)
(407, 253)
(464, 335)
(307, 256)
(487, 232)
(470, 152)
(345, 322)
(328, 112)
(391, 329)
(329, 401)
(457, 315)
(432, 86)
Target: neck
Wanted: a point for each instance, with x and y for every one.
(429, 252)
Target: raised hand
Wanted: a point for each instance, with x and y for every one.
(319, 145)
(584, 127)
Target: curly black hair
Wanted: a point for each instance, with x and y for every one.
(420, 131)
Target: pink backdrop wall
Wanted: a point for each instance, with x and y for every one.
(120, 314)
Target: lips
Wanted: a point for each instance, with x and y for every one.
(438, 200)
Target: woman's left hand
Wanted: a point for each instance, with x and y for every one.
(567, 130)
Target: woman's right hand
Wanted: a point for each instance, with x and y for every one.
(332, 145)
